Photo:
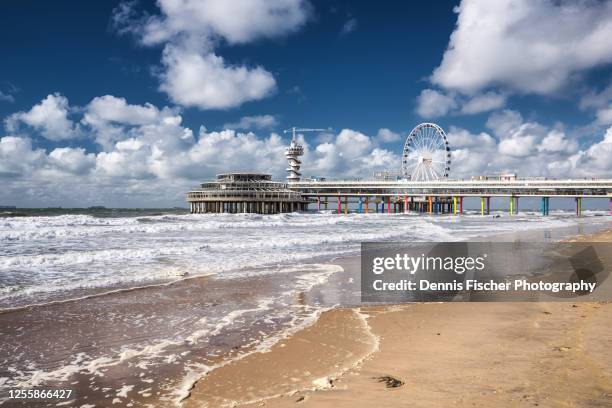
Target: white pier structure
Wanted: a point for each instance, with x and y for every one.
(446, 195)
(244, 193)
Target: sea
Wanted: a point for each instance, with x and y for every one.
(134, 306)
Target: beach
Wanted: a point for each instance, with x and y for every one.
(167, 310)
(506, 354)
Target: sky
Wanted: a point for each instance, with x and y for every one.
(133, 103)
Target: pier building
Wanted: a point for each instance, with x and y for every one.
(245, 193)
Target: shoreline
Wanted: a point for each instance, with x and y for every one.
(539, 353)
(148, 345)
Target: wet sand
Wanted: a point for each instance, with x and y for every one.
(551, 354)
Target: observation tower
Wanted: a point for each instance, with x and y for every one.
(294, 151)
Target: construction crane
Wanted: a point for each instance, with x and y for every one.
(294, 129)
(294, 151)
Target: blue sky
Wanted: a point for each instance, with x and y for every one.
(131, 103)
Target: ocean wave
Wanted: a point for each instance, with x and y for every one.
(53, 254)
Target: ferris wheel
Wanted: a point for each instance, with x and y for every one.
(426, 154)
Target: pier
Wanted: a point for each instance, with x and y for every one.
(245, 193)
(422, 186)
(446, 196)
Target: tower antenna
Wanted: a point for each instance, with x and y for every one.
(294, 151)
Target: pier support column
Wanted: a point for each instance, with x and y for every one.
(360, 205)
(339, 205)
(367, 205)
(482, 205)
(516, 205)
(406, 208)
(382, 205)
(488, 205)
(578, 206)
(455, 205)
(511, 205)
(461, 205)
(345, 205)
(388, 205)
(543, 206)
(318, 204)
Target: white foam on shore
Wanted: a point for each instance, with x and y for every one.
(161, 351)
(45, 257)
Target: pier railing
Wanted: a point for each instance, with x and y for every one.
(477, 188)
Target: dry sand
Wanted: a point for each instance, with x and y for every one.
(553, 354)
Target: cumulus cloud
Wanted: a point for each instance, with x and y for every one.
(72, 160)
(18, 158)
(483, 103)
(112, 119)
(527, 148)
(349, 153)
(193, 74)
(523, 45)
(207, 82)
(49, 117)
(460, 138)
(432, 103)
(557, 141)
(253, 122)
(148, 157)
(604, 115)
(595, 161)
(504, 123)
(385, 135)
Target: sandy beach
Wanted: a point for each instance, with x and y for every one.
(550, 354)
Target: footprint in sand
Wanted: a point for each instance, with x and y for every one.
(390, 382)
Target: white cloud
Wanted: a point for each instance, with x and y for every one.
(594, 99)
(483, 103)
(604, 115)
(194, 75)
(206, 82)
(111, 109)
(595, 161)
(18, 158)
(149, 158)
(518, 146)
(112, 119)
(236, 21)
(523, 45)
(49, 117)
(385, 135)
(432, 103)
(349, 26)
(72, 160)
(557, 141)
(524, 147)
(460, 138)
(504, 123)
(253, 122)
